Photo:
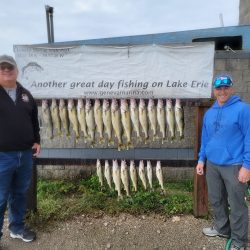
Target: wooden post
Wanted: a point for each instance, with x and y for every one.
(200, 205)
(32, 193)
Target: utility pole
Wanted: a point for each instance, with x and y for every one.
(50, 25)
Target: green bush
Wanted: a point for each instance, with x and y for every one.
(177, 204)
(60, 200)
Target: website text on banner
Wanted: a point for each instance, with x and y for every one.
(150, 71)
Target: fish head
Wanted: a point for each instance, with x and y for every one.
(115, 164)
(70, 104)
(97, 103)
(178, 103)
(106, 164)
(149, 164)
(142, 103)
(88, 104)
(132, 163)
(61, 103)
(132, 103)
(158, 164)
(98, 163)
(114, 104)
(80, 103)
(53, 103)
(45, 104)
(124, 105)
(105, 104)
(160, 104)
(123, 165)
(151, 103)
(141, 165)
(169, 103)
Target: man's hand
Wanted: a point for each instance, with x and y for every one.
(36, 148)
(244, 175)
(200, 168)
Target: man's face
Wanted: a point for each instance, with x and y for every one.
(222, 94)
(8, 74)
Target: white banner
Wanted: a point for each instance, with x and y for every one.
(149, 71)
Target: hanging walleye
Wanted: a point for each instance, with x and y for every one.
(73, 117)
(116, 122)
(143, 118)
(81, 115)
(126, 122)
(134, 113)
(152, 116)
(98, 118)
(106, 116)
(170, 119)
(161, 119)
(47, 120)
(54, 110)
(64, 116)
(90, 121)
(179, 118)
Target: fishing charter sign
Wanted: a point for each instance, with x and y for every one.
(145, 71)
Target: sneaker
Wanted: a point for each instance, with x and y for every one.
(212, 232)
(26, 235)
(235, 247)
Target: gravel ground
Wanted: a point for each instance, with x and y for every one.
(121, 232)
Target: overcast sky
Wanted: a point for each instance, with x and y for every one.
(24, 21)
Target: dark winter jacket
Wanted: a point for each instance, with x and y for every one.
(19, 127)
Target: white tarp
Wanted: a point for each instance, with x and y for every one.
(146, 71)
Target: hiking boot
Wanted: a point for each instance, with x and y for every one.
(27, 235)
(212, 232)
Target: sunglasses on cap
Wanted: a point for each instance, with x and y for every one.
(223, 81)
(7, 66)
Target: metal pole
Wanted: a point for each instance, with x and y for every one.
(32, 192)
(51, 26)
(48, 23)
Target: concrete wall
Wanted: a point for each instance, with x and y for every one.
(238, 66)
(244, 12)
(64, 172)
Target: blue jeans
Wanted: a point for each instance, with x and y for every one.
(15, 177)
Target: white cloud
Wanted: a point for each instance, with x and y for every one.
(100, 6)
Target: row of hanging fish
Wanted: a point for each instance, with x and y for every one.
(120, 175)
(107, 117)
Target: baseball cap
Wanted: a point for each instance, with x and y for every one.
(7, 59)
(222, 80)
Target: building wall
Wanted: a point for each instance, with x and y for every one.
(179, 37)
(244, 12)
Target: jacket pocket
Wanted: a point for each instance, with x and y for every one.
(218, 155)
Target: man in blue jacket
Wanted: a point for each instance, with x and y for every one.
(225, 148)
(19, 134)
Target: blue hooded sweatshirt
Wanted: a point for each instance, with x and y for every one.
(225, 137)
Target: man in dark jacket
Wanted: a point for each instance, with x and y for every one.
(19, 136)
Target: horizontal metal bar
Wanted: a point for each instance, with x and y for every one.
(81, 162)
(109, 153)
